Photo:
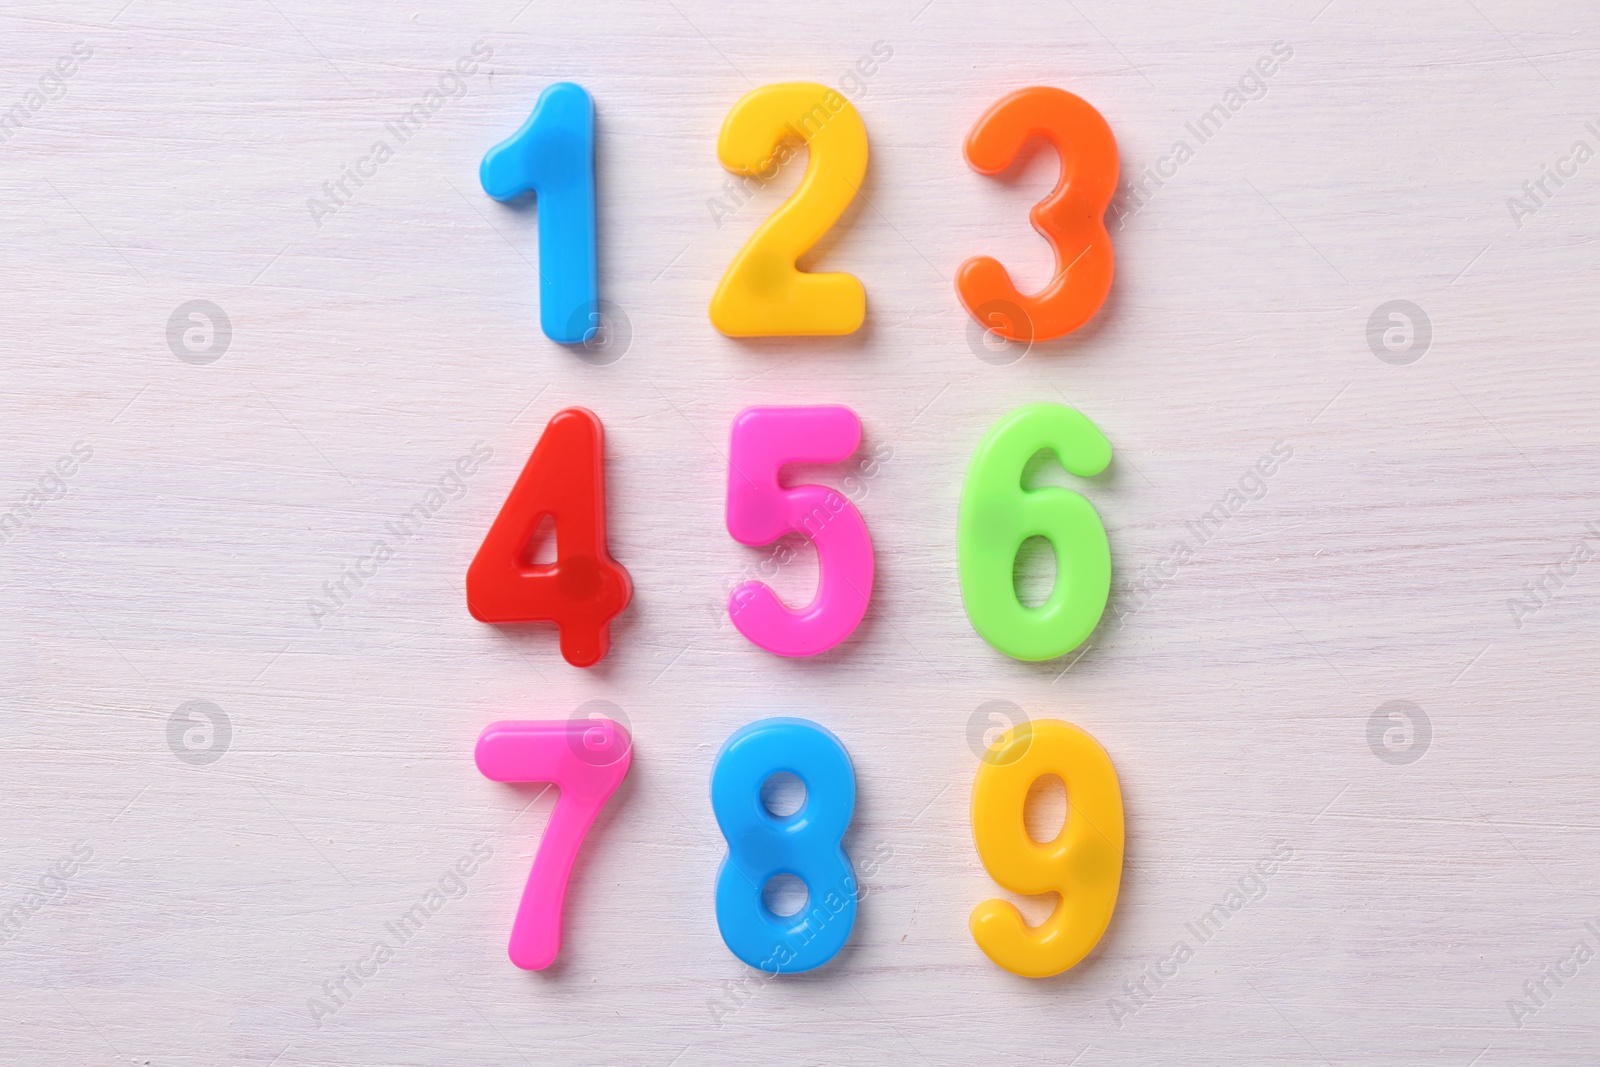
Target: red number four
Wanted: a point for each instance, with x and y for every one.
(584, 589)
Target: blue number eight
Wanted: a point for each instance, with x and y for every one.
(806, 844)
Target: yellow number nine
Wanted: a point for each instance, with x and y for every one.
(763, 293)
(1083, 864)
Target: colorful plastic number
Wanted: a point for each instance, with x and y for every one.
(1071, 218)
(586, 759)
(1083, 864)
(584, 589)
(761, 510)
(763, 293)
(998, 514)
(806, 845)
(552, 156)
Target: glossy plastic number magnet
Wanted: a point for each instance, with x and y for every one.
(1083, 864)
(998, 514)
(584, 589)
(552, 156)
(763, 293)
(806, 845)
(586, 759)
(761, 510)
(1071, 218)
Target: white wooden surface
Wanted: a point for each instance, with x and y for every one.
(369, 353)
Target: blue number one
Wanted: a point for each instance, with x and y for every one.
(552, 156)
(762, 845)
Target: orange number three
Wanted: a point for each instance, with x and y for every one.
(1071, 218)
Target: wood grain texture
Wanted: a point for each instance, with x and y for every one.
(373, 347)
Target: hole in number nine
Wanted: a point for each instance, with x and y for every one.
(1045, 813)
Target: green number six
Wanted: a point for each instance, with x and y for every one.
(998, 515)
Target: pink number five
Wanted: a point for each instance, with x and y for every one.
(586, 759)
(761, 510)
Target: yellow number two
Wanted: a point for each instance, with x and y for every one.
(763, 293)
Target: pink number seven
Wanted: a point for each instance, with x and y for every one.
(761, 510)
(586, 759)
